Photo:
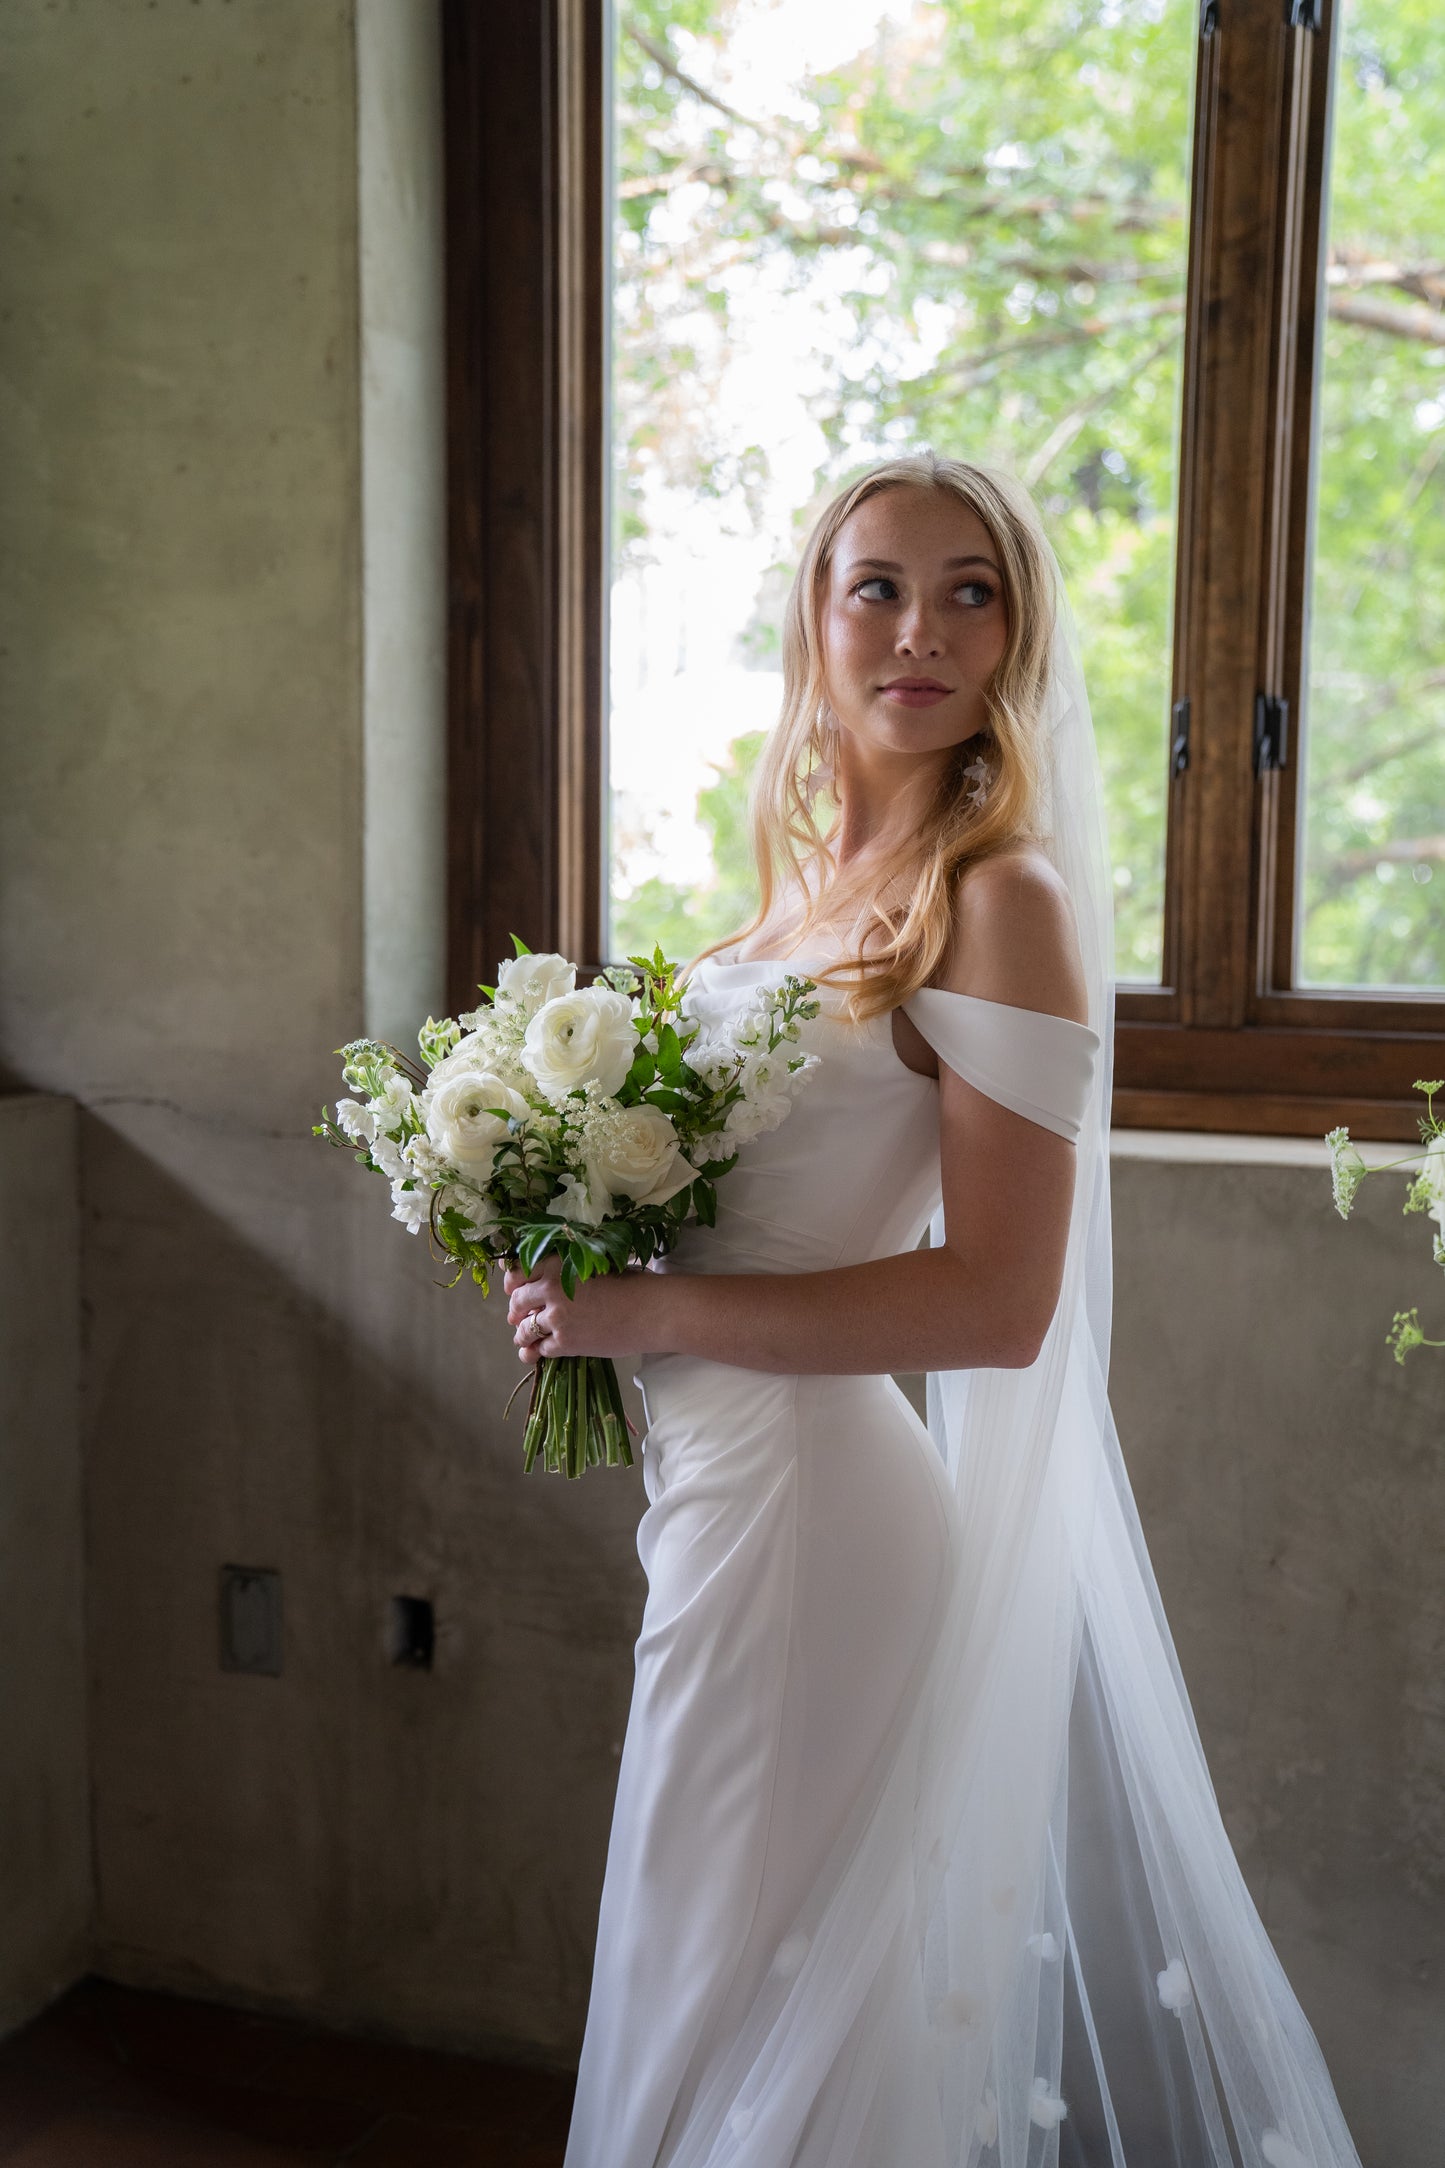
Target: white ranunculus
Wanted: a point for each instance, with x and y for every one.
(642, 1157)
(530, 981)
(580, 1036)
(466, 1118)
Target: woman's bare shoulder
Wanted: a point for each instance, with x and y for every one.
(1014, 935)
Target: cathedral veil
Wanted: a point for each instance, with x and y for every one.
(1112, 1983)
(1032, 1944)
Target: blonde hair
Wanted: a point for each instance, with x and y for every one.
(910, 937)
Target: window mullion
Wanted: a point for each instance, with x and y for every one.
(1242, 203)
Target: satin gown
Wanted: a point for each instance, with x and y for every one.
(799, 1542)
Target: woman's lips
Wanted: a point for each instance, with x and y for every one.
(915, 696)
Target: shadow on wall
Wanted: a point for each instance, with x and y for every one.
(274, 1381)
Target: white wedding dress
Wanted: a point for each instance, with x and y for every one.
(836, 1930)
(915, 1860)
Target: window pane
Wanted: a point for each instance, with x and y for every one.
(845, 228)
(1372, 903)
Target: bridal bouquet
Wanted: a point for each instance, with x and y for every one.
(1425, 1194)
(589, 1121)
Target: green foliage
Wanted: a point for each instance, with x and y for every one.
(1425, 1194)
(999, 193)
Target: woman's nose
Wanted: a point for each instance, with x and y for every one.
(918, 634)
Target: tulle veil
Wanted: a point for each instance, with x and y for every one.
(1032, 1946)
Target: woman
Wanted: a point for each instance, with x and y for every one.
(915, 1859)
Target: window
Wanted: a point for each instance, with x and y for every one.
(1171, 264)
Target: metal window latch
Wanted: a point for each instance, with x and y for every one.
(1179, 737)
(1271, 731)
(1208, 18)
(1304, 14)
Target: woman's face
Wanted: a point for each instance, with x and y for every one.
(912, 621)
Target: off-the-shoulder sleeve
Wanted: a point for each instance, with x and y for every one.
(1037, 1064)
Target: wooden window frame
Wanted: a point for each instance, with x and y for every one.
(1226, 1042)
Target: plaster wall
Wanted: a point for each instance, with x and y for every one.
(45, 1882)
(208, 833)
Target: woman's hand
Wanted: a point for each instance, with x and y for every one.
(616, 1313)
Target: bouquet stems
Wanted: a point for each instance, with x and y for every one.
(575, 1418)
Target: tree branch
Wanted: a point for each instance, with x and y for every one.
(1420, 322)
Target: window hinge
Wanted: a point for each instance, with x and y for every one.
(1208, 18)
(1303, 14)
(1179, 737)
(1271, 731)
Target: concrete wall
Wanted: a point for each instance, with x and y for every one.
(221, 462)
(45, 1881)
(1291, 1481)
(272, 1378)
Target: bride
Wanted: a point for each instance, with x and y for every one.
(915, 1860)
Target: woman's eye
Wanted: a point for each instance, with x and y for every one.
(879, 579)
(979, 592)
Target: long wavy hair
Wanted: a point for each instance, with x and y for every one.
(901, 911)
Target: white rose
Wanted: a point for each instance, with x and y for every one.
(466, 1118)
(581, 1036)
(642, 1157)
(532, 980)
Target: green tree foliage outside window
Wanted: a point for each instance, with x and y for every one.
(1000, 190)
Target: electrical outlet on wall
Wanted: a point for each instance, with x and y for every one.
(411, 1632)
(251, 1620)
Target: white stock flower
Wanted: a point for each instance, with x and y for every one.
(479, 1050)
(389, 1156)
(713, 1057)
(587, 1035)
(392, 1103)
(1175, 1992)
(466, 1118)
(478, 1211)
(411, 1206)
(578, 1200)
(1432, 1175)
(357, 1121)
(530, 981)
(423, 1159)
(638, 1153)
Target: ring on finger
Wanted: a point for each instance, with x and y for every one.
(536, 1326)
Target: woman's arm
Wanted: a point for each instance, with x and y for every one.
(984, 1300)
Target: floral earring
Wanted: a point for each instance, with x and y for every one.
(823, 755)
(979, 775)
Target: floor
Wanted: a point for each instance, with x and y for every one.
(110, 2077)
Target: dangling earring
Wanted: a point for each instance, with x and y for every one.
(822, 756)
(979, 775)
